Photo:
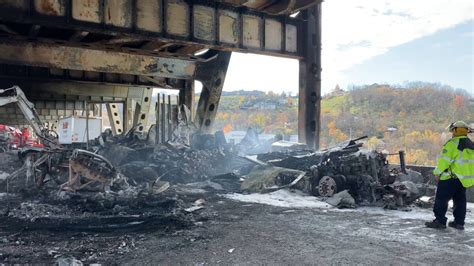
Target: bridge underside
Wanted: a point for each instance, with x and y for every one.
(69, 54)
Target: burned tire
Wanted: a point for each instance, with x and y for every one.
(330, 185)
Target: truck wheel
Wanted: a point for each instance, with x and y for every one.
(330, 185)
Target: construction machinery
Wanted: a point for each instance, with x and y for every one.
(52, 156)
(16, 95)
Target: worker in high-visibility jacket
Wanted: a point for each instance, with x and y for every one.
(454, 173)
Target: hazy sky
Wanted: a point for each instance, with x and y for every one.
(368, 41)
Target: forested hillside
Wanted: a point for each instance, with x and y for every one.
(413, 118)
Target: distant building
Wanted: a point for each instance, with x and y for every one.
(337, 91)
(262, 105)
(283, 101)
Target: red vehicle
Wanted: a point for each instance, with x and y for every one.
(13, 138)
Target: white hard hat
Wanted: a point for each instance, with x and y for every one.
(460, 124)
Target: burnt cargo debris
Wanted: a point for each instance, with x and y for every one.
(365, 174)
(124, 181)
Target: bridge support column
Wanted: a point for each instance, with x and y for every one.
(212, 75)
(309, 106)
(186, 95)
(137, 108)
(115, 120)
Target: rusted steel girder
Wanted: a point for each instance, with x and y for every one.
(89, 58)
(66, 90)
(215, 24)
(186, 94)
(44, 74)
(212, 75)
(309, 107)
(115, 120)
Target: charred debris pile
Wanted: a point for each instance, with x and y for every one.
(125, 181)
(347, 176)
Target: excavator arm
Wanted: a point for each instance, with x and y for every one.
(93, 167)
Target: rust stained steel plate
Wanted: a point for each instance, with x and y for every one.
(149, 15)
(204, 21)
(273, 34)
(86, 10)
(228, 27)
(291, 38)
(251, 31)
(50, 7)
(93, 59)
(173, 21)
(177, 18)
(118, 13)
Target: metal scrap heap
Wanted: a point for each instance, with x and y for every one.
(365, 174)
(173, 162)
(125, 181)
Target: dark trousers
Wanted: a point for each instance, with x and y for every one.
(447, 190)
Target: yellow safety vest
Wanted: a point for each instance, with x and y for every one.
(457, 161)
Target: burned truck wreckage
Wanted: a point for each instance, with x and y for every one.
(128, 183)
(365, 174)
(130, 180)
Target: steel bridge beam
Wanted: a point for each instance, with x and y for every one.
(86, 57)
(116, 123)
(43, 74)
(309, 107)
(211, 23)
(53, 90)
(186, 95)
(212, 75)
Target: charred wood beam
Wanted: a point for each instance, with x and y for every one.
(90, 58)
(212, 75)
(309, 107)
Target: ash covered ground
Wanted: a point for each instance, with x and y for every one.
(236, 232)
(176, 204)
